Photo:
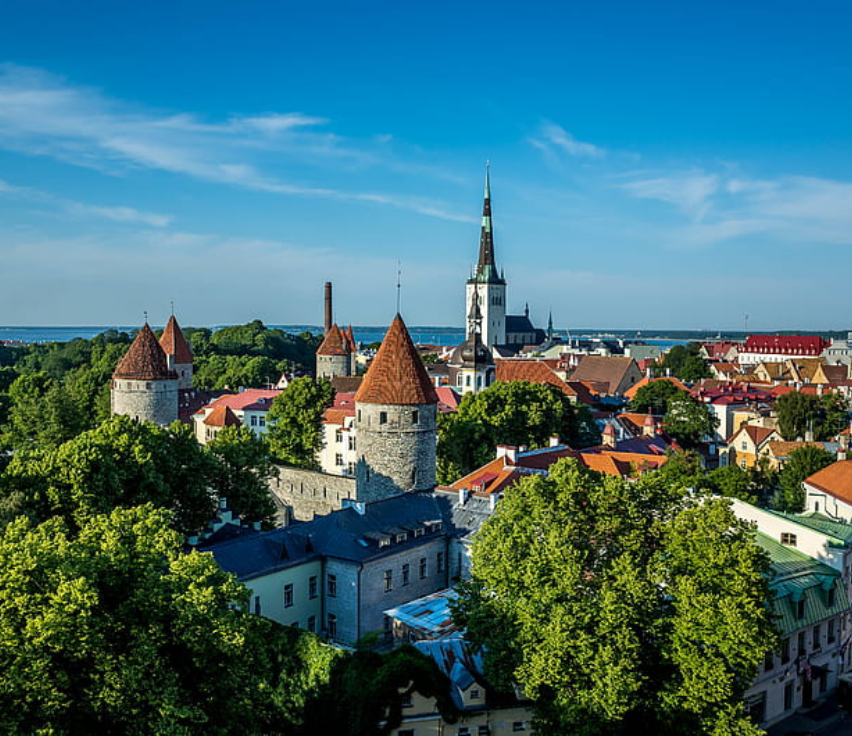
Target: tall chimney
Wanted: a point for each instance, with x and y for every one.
(327, 306)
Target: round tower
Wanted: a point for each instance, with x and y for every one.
(143, 387)
(334, 355)
(396, 421)
(178, 354)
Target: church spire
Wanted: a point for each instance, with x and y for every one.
(486, 267)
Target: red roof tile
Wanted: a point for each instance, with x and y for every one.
(836, 480)
(144, 360)
(222, 416)
(397, 374)
(251, 398)
(334, 343)
(785, 344)
(173, 343)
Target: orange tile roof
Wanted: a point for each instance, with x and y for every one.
(334, 343)
(534, 371)
(631, 392)
(144, 360)
(251, 398)
(222, 416)
(397, 374)
(608, 370)
(173, 343)
(337, 416)
(835, 480)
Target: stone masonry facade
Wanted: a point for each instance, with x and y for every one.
(152, 401)
(308, 493)
(397, 445)
(331, 366)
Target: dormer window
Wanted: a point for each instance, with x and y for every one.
(831, 598)
(400, 538)
(788, 539)
(800, 609)
(420, 531)
(384, 542)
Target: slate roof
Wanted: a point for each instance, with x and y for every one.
(397, 374)
(174, 343)
(835, 480)
(519, 323)
(335, 343)
(144, 360)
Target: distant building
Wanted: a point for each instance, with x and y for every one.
(778, 348)
(248, 407)
(335, 354)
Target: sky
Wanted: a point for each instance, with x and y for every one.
(653, 165)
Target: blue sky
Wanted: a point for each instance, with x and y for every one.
(653, 165)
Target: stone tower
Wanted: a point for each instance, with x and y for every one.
(143, 387)
(396, 421)
(334, 355)
(486, 286)
(178, 354)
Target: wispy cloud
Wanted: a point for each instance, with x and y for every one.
(41, 114)
(692, 192)
(554, 138)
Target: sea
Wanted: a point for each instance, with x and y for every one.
(424, 335)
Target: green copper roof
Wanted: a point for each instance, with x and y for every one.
(796, 577)
(837, 529)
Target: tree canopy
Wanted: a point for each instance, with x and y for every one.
(798, 414)
(295, 421)
(803, 461)
(508, 413)
(688, 420)
(655, 397)
(604, 600)
(114, 629)
(684, 362)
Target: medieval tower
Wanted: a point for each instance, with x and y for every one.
(178, 354)
(143, 387)
(396, 421)
(334, 355)
(486, 286)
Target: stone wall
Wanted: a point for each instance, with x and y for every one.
(309, 493)
(397, 447)
(152, 401)
(330, 366)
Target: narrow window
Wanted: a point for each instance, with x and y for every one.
(788, 695)
(332, 626)
(332, 586)
(800, 644)
(383, 417)
(830, 633)
(422, 568)
(415, 417)
(312, 624)
(288, 595)
(257, 605)
(785, 650)
(388, 577)
(312, 587)
(440, 562)
(817, 642)
(800, 609)
(406, 573)
(831, 598)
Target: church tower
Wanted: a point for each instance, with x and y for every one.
(396, 421)
(143, 387)
(486, 286)
(178, 354)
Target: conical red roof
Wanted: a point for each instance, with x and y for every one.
(335, 343)
(174, 343)
(397, 374)
(144, 360)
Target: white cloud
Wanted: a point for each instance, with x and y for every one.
(41, 114)
(692, 193)
(552, 137)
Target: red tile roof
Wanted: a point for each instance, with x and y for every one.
(397, 374)
(835, 480)
(144, 360)
(173, 343)
(337, 416)
(251, 398)
(785, 344)
(607, 370)
(756, 434)
(335, 342)
(222, 416)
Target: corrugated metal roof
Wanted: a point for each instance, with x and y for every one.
(430, 615)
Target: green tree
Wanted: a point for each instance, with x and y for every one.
(732, 482)
(684, 362)
(42, 412)
(688, 420)
(115, 629)
(655, 397)
(834, 416)
(803, 462)
(242, 472)
(508, 413)
(295, 421)
(121, 463)
(365, 692)
(620, 607)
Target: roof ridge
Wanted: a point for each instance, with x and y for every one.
(145, 359)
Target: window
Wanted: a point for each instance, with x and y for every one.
(830, 634)
(422, 568)
(743, 464)
(785, 650)
(460, 380)
(484, 731)
(440, 562)
(406, 701)
(831, 596)
(312, 587)
(788, 695)
(254, 421)
(338, 435)
(388, 577)
(351, 442)
(419, 532)
(383, 417)
(817, 644)
(331, 580)
(288, 595)
(332, 625)
(474, 694)
(788, 539)
(800, 609)
(406, 573)
(744, 445)
(257, 605)
(338, 459)
(519, 726)
(312, 624)
(415, 417)
(463, 731)
(800, 644)
(262, 422)
(768, 662)
(400, 538)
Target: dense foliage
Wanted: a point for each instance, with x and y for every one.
(800, 413)
(687, 420)
(803, 462)
(604, 600)
(508, 413)
(655, 396)
(295, 421)
(684, 362)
